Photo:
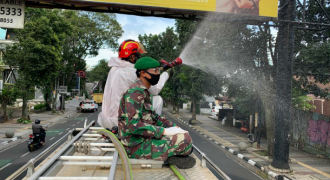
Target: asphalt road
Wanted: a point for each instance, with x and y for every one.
(13, 158)
(228, 165)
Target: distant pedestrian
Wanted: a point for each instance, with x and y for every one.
(60, 102)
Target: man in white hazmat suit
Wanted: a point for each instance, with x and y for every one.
(121, 75)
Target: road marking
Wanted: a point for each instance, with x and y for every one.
(25, 154)
(51, 138)
(313, 169)
(73, 124)
(4, 143)
(60, 133)
(5, 166)
(67, 128)
(13, 145)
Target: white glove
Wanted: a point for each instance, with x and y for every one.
(173, 131)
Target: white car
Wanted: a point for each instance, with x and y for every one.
(215, 111)
(89, 105)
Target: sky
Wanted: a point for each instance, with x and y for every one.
(133, 26)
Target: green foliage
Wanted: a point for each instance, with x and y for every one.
(301, 101)
(312, 50)
(91, 31)
(23, 121)
(162, 46)
(38, 51)
(39, 106)
(53, 46)
(99, 73)
(8, 96)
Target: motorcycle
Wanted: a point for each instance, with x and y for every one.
(34, 142)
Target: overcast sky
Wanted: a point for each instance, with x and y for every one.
(133, 26)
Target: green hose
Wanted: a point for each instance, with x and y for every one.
(177, 173)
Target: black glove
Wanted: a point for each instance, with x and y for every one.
(170, 72)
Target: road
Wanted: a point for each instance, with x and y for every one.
(18, 155)
(14, 158)
(228, 165)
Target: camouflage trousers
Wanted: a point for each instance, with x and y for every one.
(161, 149)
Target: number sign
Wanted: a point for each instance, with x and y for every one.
(12, 14)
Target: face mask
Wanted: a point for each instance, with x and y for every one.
(154, 78)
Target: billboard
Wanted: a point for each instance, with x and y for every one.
(267, 8)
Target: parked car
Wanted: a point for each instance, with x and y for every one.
(215, 110)
(89, 105)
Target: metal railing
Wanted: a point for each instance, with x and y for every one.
(205, 160)
(55, 157)
(30, 164)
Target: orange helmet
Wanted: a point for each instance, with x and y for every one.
(129, 47)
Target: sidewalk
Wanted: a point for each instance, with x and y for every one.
(305, 166)
(23, 130)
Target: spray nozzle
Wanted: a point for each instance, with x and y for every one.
(167, 65)
(177, 61)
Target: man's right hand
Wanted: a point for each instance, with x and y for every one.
(166, 65)
(173, 131)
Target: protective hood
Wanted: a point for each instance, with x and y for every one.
(118, 62)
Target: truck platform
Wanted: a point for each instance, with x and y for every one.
(90, 155)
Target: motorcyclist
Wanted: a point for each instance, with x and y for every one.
(121, 75)
(38, 129)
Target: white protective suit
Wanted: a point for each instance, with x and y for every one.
(120, 77)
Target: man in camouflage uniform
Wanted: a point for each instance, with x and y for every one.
(144, 133)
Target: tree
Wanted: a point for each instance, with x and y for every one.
(8, 96)
(99, 73)
(91, 32)
(312, 47)
(165, 46)
(38, 51)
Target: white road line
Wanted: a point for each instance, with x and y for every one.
(5, 166)
(60, 133)
(73, 125)
(67, 128)
(51, 138)
(13, 145)
(25, 154)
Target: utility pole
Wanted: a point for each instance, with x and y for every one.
(287, 12)
(63, 96)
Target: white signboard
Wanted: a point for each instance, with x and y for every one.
(12, 14)
(62, 89)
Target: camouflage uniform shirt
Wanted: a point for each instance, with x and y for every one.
(137, 119)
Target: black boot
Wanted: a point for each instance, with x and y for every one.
(183, 162)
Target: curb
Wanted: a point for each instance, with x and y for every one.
(241, 156)
(11, 140)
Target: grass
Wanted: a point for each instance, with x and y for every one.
(262, 174)
(262, 152)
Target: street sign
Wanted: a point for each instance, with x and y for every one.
(12, 14)
(63, 89)
(81, 74)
